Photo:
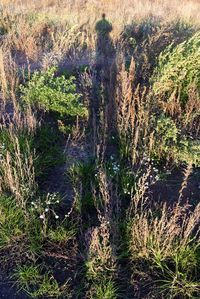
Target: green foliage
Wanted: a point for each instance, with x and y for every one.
(84, 174)
(40, 221)
(61, 234)
(47, 142)
(27, 275)
(166, 136)
(34, 234)
(53, 93)
(11, 221)
(127, 181)
(30, 279)
(16, 225)
(17, 228)
(171, 144)
(166, 129)
(119, 173)
(167, 252)
(7, 144)
(189, 151)
(105, 290)
(179, 69)
(179, 275)
(45, 145)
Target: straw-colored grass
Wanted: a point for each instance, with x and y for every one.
(120, 13)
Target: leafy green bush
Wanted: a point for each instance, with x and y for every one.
(179, 69)
(171, 144)
(53, 93)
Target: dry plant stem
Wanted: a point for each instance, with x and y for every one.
(140, 198)
(152, 235)
(165, 235)
(18, 174)
(188, 116)
(187, 173)
(9, 79)
(123, 12)
(133, 114)
(100, 240)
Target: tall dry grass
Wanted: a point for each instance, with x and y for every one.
(17, 173)
(134, 110)
(163, 235)
(86, 12)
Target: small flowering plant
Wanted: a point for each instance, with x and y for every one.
(127, 181)
(113, 167)
(45, 208)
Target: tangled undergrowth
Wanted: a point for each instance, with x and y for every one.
(99, 158)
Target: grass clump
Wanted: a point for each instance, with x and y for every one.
(47, 143)
(11, 222)
(83, 174)
(61, 234)
(167, 243)
(105, 290)
(30, 279)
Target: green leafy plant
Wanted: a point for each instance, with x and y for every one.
(180, 279)
(53, 93)
(16, 226)
(179, 69)
(171, 144)
(166, 137)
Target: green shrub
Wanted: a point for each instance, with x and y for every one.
(179, 69)
(189, 151)
(171, 144)
(53, 93)
(166, 133)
